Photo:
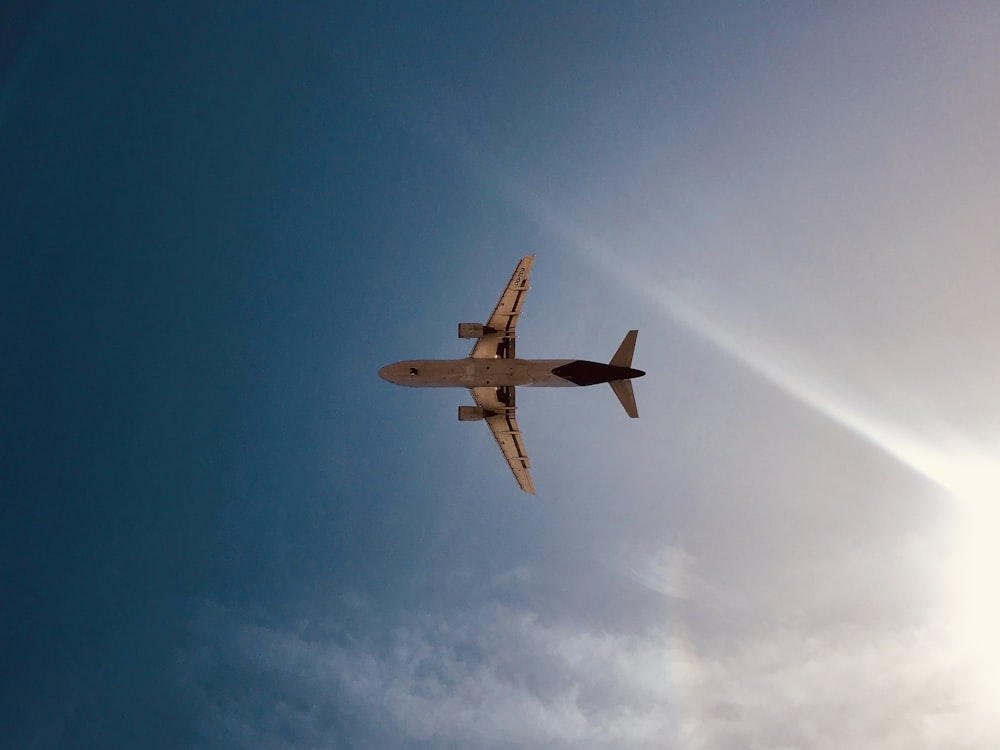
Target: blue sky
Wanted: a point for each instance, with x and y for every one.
(221, 529)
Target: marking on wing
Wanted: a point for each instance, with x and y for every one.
(505, 315)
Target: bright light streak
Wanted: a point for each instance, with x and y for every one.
(968, 472)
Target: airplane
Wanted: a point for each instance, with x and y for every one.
(491, 372)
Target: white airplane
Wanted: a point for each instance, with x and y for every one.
(491, 372)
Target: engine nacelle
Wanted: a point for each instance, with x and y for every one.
(471, 413)
(473, 330)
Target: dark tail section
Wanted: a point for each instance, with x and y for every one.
(623, 388)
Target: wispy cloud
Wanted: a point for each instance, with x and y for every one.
(502, 676)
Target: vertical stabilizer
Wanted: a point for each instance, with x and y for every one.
(623, 390)
(623, 357)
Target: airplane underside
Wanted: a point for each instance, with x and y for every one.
(476, 373)
(492, 373)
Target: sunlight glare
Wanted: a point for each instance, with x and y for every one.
(970, 474)
(974, 481)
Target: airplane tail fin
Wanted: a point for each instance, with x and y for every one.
(623, 388)
(623, 357)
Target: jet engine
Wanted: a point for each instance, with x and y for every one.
(472, 413)
(473, 330)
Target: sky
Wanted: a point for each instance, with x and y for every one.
(220, 528)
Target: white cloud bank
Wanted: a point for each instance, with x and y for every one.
(502, 676)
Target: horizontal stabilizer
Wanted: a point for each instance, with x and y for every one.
(623, 390)
(623, 357)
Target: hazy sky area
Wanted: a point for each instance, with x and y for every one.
(221, 530)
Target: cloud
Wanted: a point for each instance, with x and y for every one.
(499, 676)
(495, 677)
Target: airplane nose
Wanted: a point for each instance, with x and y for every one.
(392, 374)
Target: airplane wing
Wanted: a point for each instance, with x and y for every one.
(503, 425)
(503, 321)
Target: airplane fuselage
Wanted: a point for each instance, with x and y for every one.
(476, 373)
(492, 372)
